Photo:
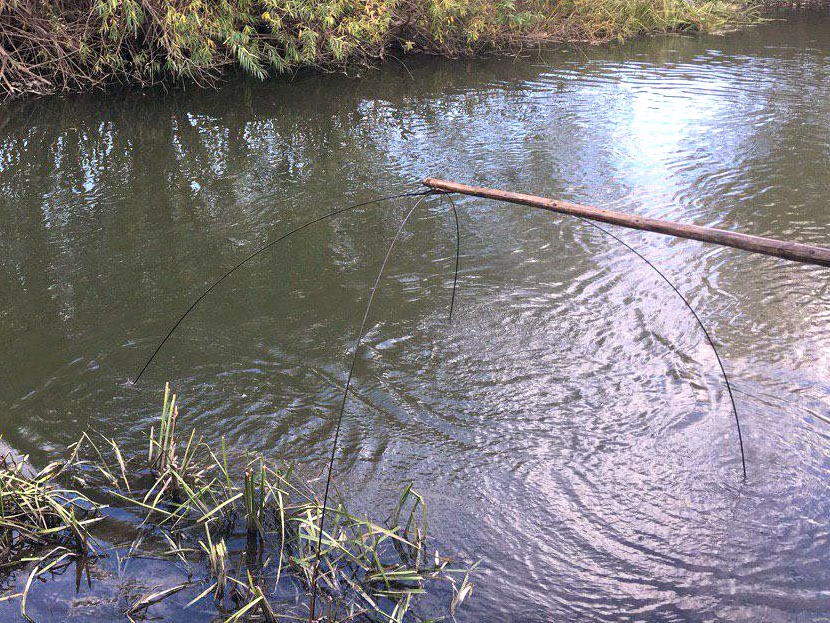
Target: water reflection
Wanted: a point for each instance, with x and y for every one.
(570, 427)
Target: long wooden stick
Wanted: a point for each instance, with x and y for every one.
(794, 251)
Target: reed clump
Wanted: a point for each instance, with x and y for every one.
(254, 535)
(37, 513)
(43, 525)
(76, 44)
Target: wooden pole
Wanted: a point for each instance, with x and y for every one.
(794, 251)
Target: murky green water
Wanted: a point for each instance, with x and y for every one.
(570, 427)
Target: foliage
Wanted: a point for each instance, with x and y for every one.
(617, 19)
(54, 45)
(35, 512)
(42, 524)
(184, 493)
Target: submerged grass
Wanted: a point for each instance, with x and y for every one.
(42, 524)
(36, 513)
(183, 493)
(76, 44)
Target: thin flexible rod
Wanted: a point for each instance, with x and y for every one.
(260, 250)
(343, 401)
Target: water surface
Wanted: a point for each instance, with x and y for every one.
(570, 427)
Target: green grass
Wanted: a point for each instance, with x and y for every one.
(184, 492)
(43, 525)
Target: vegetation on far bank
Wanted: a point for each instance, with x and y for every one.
(66, 45)
(243, 540)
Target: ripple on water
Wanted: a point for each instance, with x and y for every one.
(570, 427)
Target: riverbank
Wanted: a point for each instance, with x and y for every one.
(229, 543)
(80, 44)
(570, 420)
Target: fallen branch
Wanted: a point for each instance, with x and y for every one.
(793, 251)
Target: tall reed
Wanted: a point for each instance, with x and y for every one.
(187, 493)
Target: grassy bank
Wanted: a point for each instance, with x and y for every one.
(245, 537)
(60, 45)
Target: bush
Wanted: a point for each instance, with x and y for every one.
(53, 45)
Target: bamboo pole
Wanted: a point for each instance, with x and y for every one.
(794, 251)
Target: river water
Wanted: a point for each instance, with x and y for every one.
(570, 427)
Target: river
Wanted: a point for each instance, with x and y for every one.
(570, 427)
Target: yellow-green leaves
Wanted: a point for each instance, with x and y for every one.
(146, 41)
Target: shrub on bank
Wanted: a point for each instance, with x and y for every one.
(53, 45)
